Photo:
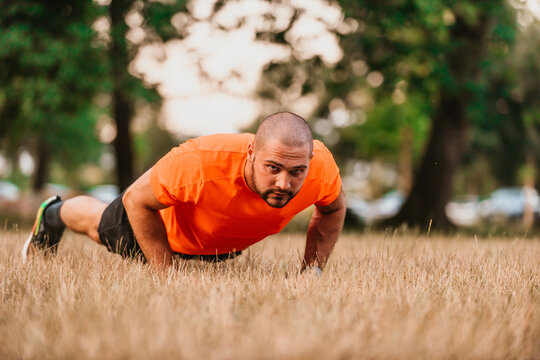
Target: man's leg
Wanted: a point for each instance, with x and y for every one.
(82, 215)
(106, 224)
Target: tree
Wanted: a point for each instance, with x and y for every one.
(432, 188)
(155, 23)
(122, 104)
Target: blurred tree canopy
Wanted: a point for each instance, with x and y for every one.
(507, 132)
(49, 71)
(57, 58)
(444, 70)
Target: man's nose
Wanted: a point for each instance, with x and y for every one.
(283, 181)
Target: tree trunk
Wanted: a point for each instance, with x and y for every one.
(405, 159)
(122, 143)
(433, 185)
(122, 104)
(42, 167)
(433, 182)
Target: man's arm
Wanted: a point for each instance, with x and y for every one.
(323, 232)
(142, 209)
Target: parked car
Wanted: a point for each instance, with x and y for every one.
(463, 210)
(509, 203)
(9, 191)
(359, 207)
(387, 206)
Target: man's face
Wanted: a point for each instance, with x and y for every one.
(278, 172)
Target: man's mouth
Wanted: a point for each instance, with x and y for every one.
(280, 194)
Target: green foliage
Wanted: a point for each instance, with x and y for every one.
(414, 45)
(54, 64)
(158, 15)
(505, 120)
(379, 137)
(51, 70)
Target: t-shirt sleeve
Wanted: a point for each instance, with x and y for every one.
(177, 177)
(331, 180)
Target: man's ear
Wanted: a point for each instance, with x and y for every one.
(312, 155)
(250, 151)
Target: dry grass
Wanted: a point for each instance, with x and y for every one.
(399, 298)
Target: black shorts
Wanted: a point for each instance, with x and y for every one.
(115, 231)
(116, 234)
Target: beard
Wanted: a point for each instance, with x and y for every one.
(283, 197)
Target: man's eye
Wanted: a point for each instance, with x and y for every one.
(297, 172)
(272, 167)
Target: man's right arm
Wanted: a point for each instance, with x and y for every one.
(142, 208)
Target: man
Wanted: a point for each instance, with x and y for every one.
(212, 197)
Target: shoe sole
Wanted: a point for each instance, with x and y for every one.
(24, 251)
(26, 246)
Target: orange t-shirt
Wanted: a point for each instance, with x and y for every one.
(211, 208)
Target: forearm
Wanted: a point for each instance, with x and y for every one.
(322, 235)
(150, 233)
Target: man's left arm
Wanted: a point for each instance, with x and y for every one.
(323, 232)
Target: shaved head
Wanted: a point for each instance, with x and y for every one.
(287, 128)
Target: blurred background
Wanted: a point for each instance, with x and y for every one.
(431, 107)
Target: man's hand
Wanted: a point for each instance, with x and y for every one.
(142, 209)
(323, 232)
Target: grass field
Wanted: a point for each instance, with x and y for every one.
(381, 297)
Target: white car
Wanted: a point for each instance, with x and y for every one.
(387, 206)
(358, 207)
(510, 203)
(9, 191)
(463, 210)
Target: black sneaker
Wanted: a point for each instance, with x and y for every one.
(42, 238)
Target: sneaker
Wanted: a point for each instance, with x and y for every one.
(42, 238)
